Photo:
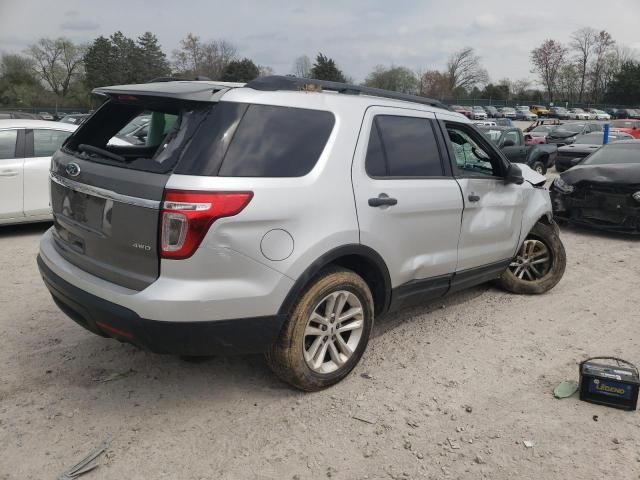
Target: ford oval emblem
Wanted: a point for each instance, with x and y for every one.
(72, 169)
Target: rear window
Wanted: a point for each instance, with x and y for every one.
(615, 154)
(8, 143)
(116, 135)
(46, 142)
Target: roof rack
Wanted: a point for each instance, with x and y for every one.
(278, 82)
(197, 78)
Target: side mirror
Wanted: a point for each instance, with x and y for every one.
(514, 175)
(508, 143)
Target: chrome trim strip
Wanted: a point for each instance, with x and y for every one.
(104, 193)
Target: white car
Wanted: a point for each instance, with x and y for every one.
(599, 114)
(26, 147)
(478, 113)
(578, 114)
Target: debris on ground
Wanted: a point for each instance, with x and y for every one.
(103, 375)
(453, 444)
(368, 376)
(529, 444)
(565, 389)
(85, 465)
(364, 418)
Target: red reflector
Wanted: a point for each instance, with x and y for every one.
(117, 331)
(187, 216)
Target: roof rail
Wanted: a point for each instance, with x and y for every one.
(279, 82)
(197, 78)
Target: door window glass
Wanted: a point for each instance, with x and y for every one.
(8, 144)
(46, 142)
(403, 147)
(472, 159)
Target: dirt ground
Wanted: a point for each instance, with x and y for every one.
(448, 390)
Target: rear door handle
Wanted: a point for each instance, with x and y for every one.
(381, 200)
(8, 173)
(473, 197)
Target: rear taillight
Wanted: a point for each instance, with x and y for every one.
(187, 216)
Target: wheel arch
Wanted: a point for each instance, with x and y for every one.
(361, 259)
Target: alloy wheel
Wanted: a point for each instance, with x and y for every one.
(333, 331)
(533, 261)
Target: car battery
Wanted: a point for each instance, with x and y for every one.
(611, 385)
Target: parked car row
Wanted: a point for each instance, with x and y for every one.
(539, 111)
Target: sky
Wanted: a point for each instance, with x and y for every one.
(358, 34)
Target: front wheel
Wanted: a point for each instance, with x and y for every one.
(326, 333)
(539, 264)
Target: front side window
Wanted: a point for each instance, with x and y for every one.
(472, 158)
(8, 143)
(403, 147)
(46, 142)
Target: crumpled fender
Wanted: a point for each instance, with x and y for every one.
(537, 202)
(531, 176)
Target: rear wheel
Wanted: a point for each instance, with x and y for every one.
(327, 332)
(539, 264)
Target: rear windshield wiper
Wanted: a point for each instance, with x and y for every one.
(83, 147)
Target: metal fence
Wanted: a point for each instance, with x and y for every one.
(59, 112)
(485, 102)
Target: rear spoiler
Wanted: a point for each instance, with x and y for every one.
(195, 91)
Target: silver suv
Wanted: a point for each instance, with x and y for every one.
(283, 216)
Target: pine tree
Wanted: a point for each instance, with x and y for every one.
(325, 69)
(240, 71)
(151, 62)
(100, 64)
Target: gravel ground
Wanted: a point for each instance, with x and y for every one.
(448, 390)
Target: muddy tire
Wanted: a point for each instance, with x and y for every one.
(539, 264)
(327, 332)
(540, 167)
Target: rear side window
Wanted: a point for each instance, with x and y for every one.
(273, 141)
(8, 143)
(46, 142)
(403, 147)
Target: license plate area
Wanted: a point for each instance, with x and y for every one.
(78, 211)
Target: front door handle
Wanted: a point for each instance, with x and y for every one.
(473, 197)
(381, 200)
(8, 173)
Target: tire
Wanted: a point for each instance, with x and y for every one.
(513, 279)
(539, 167)
(288, 357)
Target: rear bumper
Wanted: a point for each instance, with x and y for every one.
(107, 319)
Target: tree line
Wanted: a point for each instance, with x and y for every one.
(591, 68)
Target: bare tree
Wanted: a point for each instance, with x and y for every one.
(583, 42)
(265, 70)
(568, 84)
(547, 60)
(302, 67)
(195, 57)
(433, 84)
(464, 70)
(57, 62)
(602, 50)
